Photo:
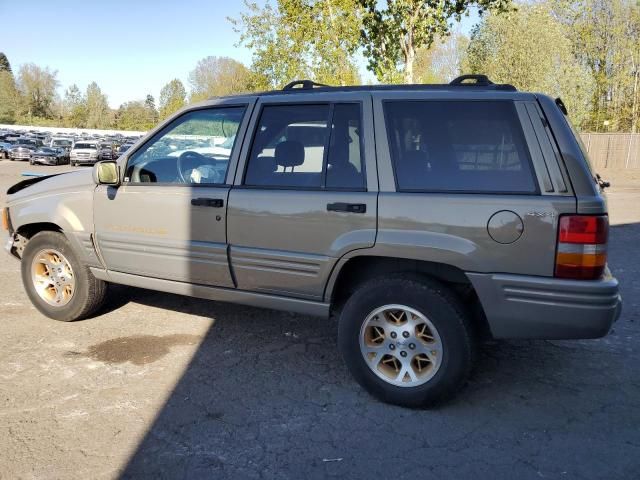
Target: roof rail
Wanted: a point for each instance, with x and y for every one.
(480, 80)
(303, 84)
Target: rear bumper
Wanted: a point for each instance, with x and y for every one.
(520, 306)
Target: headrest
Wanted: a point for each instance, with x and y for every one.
(289, 154)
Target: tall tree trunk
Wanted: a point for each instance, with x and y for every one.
(409, 59)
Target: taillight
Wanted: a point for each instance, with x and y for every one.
(582, 246)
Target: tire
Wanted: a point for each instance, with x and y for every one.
(449, 351)
(88, 293)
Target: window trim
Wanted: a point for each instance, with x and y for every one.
(387, 124)
(322, 188)
(164, 129)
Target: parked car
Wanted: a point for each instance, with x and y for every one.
(122, 149)
(61, 142)
(49, 156)
(21, 151)
(106, 151)
(84, 152)
(471, 211)
(4, 149)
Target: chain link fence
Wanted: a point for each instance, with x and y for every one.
(613, 150)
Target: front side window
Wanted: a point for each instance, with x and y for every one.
(193, 149)
(458, 146)
(307, 146)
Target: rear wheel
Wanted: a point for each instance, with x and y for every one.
(57, 284)
(406, 340)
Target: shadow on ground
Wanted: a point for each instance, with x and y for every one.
(267, 396)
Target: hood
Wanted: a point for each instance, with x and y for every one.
(50, 184)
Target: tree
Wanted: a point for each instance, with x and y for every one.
(442, 62)
(75, 107)
(4, 64)
(605, 37)
(8, 96)
(218, 76)
(172, 98)
(98, 114)
(508, 49)
(301, 39)
(392, 35)
(37, 88)
(150, 104)
(134, 116)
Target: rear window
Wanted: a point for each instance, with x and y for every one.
(458, 146)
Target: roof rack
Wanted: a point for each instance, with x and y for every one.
(303, 84)
(479, 80)
(470, 81)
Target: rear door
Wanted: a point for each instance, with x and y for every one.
(168, 217)
(305, 194)
(468, 178)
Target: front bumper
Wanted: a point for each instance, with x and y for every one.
(45, 160)
(85, 160)
(520, 306)
(20, 156)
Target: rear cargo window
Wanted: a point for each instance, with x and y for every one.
(458, 146)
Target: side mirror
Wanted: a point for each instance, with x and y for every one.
(106, 173)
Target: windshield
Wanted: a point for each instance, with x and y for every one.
(86, 145)
(61, 142)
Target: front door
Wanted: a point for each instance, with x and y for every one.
(168, 217)
(305, 195)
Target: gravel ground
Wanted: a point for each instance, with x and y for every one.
(165, 386)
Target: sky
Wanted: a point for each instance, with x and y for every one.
(131, 48)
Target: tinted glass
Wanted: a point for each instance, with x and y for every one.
(464, 146)
(194, 149)
(344, 163)
(288, 147)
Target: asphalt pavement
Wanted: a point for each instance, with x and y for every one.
(163, 386)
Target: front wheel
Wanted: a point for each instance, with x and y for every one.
(57, 284)
(406, 340)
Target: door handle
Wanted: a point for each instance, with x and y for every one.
(347, 207)
(207, 202)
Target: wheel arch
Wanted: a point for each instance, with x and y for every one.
(349, 273)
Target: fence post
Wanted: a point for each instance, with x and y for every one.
(626, 163)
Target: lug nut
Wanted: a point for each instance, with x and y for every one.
(405, 334)
(403, 354)
(392, 347)
(394, 334)
(412, 346)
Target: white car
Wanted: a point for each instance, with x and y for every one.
(84, 152)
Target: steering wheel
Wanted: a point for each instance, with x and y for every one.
(186, 156)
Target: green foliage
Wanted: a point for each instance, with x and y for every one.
(508, 49)
(97, 108)
(392, 35)
(218, 76)
(5, 66)
(74, 108)
(134, 116)
(605, 36)
(8, 97)
(442, 62)
(297, 39)
(37, 89)
(172, 98)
